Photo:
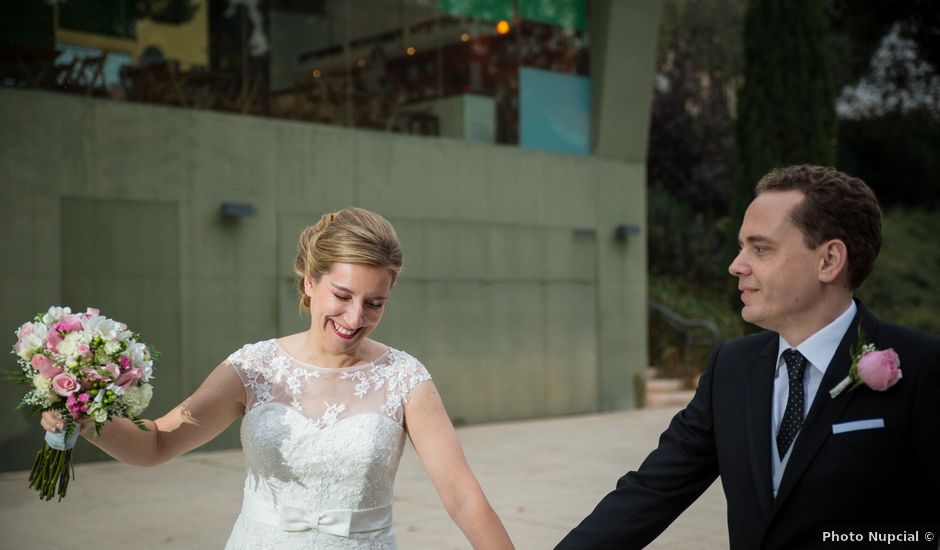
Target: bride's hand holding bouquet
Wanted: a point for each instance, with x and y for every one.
(86, 369)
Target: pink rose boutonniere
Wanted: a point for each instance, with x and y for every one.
(877, 369)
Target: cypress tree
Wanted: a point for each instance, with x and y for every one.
(786, 106)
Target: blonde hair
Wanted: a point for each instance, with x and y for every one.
(350, 236)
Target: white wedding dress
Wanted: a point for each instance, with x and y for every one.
(321, 449)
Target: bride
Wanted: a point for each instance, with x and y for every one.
(324, 412)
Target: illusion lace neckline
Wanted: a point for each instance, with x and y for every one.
(370, 363)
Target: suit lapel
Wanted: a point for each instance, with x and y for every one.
(825, 409)
(758, 407)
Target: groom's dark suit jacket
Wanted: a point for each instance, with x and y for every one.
(868, 477)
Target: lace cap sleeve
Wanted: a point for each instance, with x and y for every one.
(253, 364)
(404, 373)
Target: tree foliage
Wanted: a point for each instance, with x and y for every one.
(858, 26)
(171, 12)
(786, 106)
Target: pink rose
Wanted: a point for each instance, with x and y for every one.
(65, 384)
(71, 323)
(879, 370)
(45, 366)
(53, 339)
(113, 370)
(129, 378)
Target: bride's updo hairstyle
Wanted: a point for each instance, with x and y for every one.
(349, 236)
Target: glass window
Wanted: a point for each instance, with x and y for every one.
(488, 71)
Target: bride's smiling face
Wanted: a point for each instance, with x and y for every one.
(346, 304)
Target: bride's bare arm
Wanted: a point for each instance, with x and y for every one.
(437, 445)
(202, 416)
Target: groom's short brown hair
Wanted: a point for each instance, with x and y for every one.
(835, 206)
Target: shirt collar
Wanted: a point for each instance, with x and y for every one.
(821, 346)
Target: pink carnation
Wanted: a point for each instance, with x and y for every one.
(879, 370)
(76, 406)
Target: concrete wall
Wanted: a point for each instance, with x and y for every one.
(515, 293)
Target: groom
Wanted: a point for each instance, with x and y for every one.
(798, 467)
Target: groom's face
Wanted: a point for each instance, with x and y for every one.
(776, 271)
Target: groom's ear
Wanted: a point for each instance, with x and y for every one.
(833, 261)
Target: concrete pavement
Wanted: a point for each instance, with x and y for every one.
(542, 477)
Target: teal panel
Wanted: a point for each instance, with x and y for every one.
(488, 10)
(564, 13)
(123, 258)
(554, 111)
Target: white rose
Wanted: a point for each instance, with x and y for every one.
(137, 399)
(112, 347)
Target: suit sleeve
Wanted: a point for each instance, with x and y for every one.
(676, 473)
(926, 430)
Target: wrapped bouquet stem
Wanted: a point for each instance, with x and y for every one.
(52, 467)
(86, 368)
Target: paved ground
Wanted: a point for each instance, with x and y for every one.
(542, 476)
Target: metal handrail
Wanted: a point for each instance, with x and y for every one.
(688, 327)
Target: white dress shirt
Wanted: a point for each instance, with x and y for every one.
(818, 350)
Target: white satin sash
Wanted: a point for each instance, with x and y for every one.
(335, 522)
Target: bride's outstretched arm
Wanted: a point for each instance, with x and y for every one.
(437, 445)
(202, 416)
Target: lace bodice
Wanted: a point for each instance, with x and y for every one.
(321, 448)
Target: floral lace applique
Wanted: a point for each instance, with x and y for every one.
(400, 375)
(329, 415)
(262, 366)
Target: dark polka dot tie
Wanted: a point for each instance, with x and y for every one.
(793, 415)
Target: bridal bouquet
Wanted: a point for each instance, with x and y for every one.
(85, 367)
